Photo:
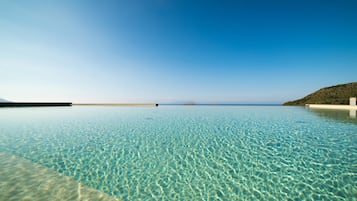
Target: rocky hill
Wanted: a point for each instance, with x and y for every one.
(338, 94)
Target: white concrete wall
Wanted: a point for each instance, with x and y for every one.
(353, 101)
(333, 107)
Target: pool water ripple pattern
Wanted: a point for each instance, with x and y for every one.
(190, 153)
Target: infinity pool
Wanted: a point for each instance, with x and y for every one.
(190, 153)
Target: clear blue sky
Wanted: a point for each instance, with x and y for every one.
(175, 51)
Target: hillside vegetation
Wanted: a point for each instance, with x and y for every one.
(338, 94)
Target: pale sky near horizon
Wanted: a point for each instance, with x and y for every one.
(170, 51)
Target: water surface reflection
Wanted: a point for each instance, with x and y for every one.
(346, 116)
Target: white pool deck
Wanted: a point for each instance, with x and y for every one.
(332, 107)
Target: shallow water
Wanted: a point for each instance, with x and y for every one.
(190, 153)
(21, 179)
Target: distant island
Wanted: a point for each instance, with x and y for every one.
(338, 95)
(3, 100)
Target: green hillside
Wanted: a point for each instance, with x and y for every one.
(338, 94)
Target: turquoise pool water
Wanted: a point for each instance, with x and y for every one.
(192, 153)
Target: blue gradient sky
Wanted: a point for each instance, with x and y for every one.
(175, 51)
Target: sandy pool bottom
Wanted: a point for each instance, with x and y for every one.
(20, 179)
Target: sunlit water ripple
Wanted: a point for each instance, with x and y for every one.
(190, 153)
